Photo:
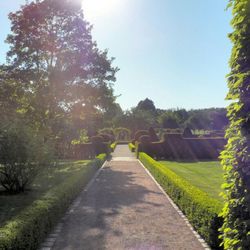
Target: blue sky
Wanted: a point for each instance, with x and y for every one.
(173, 52)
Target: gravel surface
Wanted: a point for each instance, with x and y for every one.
(124, 209)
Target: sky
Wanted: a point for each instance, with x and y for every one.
(173, 52)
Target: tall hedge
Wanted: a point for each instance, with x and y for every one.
(236, 157)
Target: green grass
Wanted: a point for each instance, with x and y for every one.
(12, 205)
(207, 176)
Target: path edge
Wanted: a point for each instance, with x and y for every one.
(50, 240)
(196, 234)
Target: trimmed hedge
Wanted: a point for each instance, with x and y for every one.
(175, 147)
(28, 229)
(201, 210)
(131, 147)
(90, 150)
(113, 146)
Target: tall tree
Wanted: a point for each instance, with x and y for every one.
(236, 157)
(52, 56)
(146, 105)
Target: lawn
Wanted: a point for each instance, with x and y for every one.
(208, 176)
(11, 205)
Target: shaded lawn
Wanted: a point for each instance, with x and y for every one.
(208, 176)
(11, 205)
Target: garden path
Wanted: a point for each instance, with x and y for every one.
(123, 208)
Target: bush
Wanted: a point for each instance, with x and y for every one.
(153, 135)
(30, 227)
(187, 133)
(201, 210)
(113, 146)
(145, 139)
(22, 153)
(131, 147)
(140, 133)
(122, 134)
(83, 151)
(175, 147)
(90, 150)
(106, 137)
(97, 139)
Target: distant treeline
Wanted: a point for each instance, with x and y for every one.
(145, 115)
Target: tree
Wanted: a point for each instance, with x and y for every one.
(146, 105)
(236, 157)
(169, 120)
(56, 63)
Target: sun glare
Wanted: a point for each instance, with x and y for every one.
(96, 8)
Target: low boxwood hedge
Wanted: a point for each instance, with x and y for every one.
(30, 227)
(113, 146)
(131, 147)
(201, 210)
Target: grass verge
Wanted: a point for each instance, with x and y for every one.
(207, 176)
(201, 210)
(29, 227)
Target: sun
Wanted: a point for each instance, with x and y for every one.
(95, 8)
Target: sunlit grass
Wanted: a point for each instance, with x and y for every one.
(208, 176)
(11, 205)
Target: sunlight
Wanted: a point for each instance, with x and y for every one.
(96, 8)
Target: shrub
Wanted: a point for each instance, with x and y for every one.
(145, 139)
(83, 151)
(235, 158)
(22, 153)
(113, 146)
(140, 133)
(108, 131)
(201, 210)
(105, 137)
(187, 133)
(96, 139)
(122, 134)
(28, 229)
(153, 135)
(131, 147)
(175, 147)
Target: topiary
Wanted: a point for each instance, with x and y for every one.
(96, 139)
(106, 137)
(187, 133)
(139, 133)
(145, 139)
(153, 135)
(236, 157)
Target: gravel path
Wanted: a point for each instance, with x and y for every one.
(125, 209)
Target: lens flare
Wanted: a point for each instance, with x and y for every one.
(95, 8)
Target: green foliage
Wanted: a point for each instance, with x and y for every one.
(153, 135)
(140, 133)
(31, 225)
(146, 105)
(55, 73)
(22, 154)
(122, 134)
(131, 147)
(83, 137)
(206, 175)
(113, 146)
(175, 147)
(201, 210)
(235, 159)
(169, 120)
